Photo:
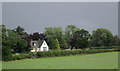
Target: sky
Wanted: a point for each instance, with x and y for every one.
(35, 16)
(59, 0)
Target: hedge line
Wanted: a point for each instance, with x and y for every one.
(106, 47)
(58, 53)
(72, 52)
(19, 57)
(23, 56)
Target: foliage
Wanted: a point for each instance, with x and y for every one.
(11, 41)
(81, 39)
(101, 37)
(16, 43)
(54, 53)
(106, 47)
(69, 32)
(114, 40)
(20, 31)
(23, 56)
(57, 47)
(50, 37)
(53, 34)
(6, 52)
(119, 42)
(72, 52)
(74, 37)
(3, 32)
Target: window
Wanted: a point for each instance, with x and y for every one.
(34, 44)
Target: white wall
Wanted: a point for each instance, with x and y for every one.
(44, 44)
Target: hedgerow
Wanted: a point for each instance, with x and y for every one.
(72, 52)
(106, 47)
(55, 53)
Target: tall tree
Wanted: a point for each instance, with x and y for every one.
(3, 31)
(69, 32)
(114, 40)
(16, 43)
(53, 34)
(81, 39)
(20, 31)
(119, 42)
(6, 51)
(50, 37)
(101, 37)
(58, 32)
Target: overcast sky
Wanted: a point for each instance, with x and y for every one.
(35, 16)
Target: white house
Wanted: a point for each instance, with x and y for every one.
(39, 45)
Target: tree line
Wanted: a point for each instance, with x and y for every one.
(56, 38)
(80, 38)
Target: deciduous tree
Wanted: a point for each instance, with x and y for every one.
(53, 34)
(69, 32)
(101, 37)
(81, 39)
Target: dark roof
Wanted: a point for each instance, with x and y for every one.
(35, 36)
(40, 42)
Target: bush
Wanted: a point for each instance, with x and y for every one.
(31, 55)
(57, 45)
(23, 56)
(6, 53)
(19, 57)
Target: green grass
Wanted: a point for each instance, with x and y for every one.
(93, 61)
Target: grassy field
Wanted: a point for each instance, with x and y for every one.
(92, 61)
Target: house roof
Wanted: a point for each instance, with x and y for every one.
(40, 42)
(36, 37)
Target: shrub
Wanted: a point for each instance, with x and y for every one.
(18, 57)
(6, 53)
(31, 55)
(57, 45)
(23, 56)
